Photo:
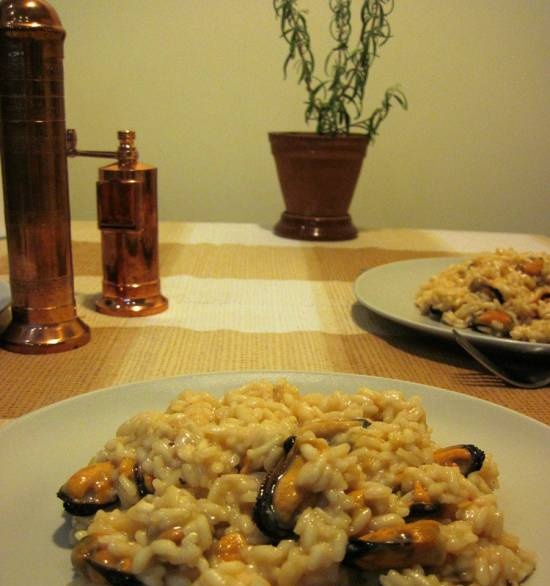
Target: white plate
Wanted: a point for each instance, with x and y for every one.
(40, 450)
(389, 290)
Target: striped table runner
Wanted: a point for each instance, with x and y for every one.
(243, 299)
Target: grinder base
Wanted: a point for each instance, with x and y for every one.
(28, 338)
(120, 307)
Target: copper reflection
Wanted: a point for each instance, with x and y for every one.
(34, 166)
(128, 220)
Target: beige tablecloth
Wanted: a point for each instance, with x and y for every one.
(243, 299)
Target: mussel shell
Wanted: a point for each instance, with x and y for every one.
(434, 313)
(493, 322)
(423, 511)
(90, 505)
(141, 483)
(329, 428)
(486, 290)
(89, 489)
(488, 330)
(477, 457)
(400, 547)
(475, 460)
(264, 513)
(357, 549)
(114, 577)
(84, 508)
(83, 560)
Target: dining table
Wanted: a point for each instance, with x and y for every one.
(243, 299)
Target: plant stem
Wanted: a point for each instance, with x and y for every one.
(336, 103)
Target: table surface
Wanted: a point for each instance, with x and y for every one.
(243, 299)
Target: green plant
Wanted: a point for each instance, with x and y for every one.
(336, 103)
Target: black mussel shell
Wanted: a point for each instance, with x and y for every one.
(141, 483)
(477, 457)
(114, 577)
(398, 547)
(435, 313)
(90, 505)
(485, 290)
(423, 511)
(83, 560)
(472, 463)
(264, 513)
(83, 509)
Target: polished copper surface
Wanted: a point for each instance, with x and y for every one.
(31, 14)
(72, 151)
(34, 165)
(128, 220)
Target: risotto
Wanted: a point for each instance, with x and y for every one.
(504, 293)
(267, 486)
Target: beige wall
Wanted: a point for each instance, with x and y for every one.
(201, 82)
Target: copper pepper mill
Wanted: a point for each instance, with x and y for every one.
(36, 195)
(128, 220)
(34, 148)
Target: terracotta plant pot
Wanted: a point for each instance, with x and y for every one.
(317, 175)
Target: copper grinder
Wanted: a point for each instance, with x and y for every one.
(128, 220)
(35, 182)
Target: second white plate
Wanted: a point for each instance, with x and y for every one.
(389, 290)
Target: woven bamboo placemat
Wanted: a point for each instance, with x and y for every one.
(241, 306)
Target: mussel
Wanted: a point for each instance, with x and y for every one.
(435, 313)
(402, 546)
(329, 428)
(424, 510)
(467, 457)
(495, 322)
(144, 482)
(229, 547)
(422, 507)
(543, 294)
(483, 289)
(532, 266)
(93, 487)
(280, 499)
(94, 561)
